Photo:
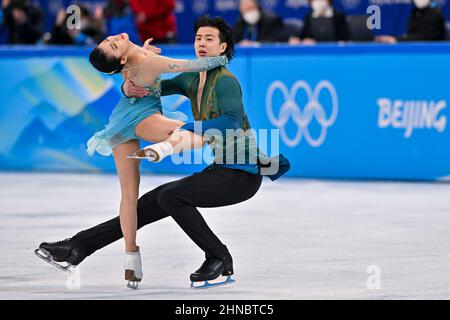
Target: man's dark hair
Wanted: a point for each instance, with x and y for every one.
(225, 32)
(104, 63)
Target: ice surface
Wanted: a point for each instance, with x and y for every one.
(296, 239)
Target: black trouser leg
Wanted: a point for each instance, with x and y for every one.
(208, 189)
(99, 236)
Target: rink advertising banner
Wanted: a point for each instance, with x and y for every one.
(357, 112)
(365, 112)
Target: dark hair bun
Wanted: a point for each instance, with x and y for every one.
(104, 63)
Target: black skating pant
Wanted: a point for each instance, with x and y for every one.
(212, 187)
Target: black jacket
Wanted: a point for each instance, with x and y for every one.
(425, 24)
(270, 28)
(340, 27)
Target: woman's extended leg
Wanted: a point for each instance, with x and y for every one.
(128, 172)
(158, 128)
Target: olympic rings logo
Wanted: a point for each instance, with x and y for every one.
(312, 109)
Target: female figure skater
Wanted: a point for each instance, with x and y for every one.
(139, 118)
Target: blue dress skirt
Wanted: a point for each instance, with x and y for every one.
(127, 114)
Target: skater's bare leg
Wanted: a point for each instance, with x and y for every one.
(170, 138)
(128, 172)
(156, 128)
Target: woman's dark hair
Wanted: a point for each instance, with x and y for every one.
(225, 32)
(104, 63)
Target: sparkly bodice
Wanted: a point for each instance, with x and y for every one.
(155, 88)
(153, 91)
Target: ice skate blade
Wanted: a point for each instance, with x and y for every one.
(133, 282)
(142, 154)
(211, 283)
(133, 285)
(132, 156)
(44, 255)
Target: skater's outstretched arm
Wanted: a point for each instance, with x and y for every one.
(133, 86)
(168, 65)
(152, 66)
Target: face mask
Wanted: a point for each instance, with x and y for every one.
(252, 17)
(319, 6)
(421, 3)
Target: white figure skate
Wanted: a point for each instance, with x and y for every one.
(133, 269)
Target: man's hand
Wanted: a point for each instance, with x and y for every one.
(133, 91)
(149, 47)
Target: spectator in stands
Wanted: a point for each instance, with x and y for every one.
(322, 9)
(155, 19)
(426, 23)
(115, 8)
(60, 34)
(24, 22)
(91, 29)
(3, 31)
(119, 18)
(256, 25)
(95, 24)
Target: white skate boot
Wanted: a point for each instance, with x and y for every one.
(154, 153)
(133, 269)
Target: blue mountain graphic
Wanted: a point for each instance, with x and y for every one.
(68, 139)
(75, 131)
(36, 135)
(48, 113)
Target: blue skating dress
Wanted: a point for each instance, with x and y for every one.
(124, 118)
(129, 112)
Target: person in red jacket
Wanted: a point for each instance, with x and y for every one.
(155, 19)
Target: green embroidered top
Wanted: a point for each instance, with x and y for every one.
(222, 97)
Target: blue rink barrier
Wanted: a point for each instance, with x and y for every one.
(346, 112)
